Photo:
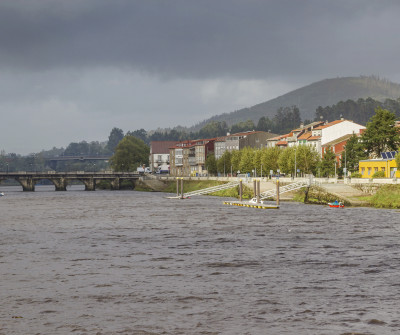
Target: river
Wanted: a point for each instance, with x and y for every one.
(123, 262)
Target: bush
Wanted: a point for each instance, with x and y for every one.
(387, 196)
(379, 174)
(356, 175)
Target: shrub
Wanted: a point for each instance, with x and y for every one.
(356, 175)
(379, 174)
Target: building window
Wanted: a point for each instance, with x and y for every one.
(362, 170)
(376, 169)
(369, 171)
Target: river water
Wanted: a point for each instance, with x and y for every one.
(126, 262)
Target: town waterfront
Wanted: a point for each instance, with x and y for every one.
(123, 262)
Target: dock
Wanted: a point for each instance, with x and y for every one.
(250, 205)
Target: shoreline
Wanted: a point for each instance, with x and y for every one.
(353, 195)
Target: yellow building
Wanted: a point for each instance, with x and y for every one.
(368, 167)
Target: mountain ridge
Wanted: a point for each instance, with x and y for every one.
(308, 98)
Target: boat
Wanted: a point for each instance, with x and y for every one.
(336, 204)
(1, 194)
(254, 201)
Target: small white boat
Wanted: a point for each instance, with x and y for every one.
(254, 201)
(1, 194)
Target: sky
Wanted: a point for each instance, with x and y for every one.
(71, 71)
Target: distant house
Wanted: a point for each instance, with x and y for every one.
(219, 147)
(319, 135)
(159, 155)
(189, 157)
(252, 139)
(386, 163)
(334, 130)
(337, 146)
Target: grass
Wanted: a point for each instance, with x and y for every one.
(316, 195)
(387, 196)
(194, 185)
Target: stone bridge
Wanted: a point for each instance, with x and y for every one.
(61, 179)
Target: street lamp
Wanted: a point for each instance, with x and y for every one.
(224, 166)
(295, 163)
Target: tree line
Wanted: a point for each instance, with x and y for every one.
(285, 119)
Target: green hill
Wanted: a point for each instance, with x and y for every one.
(322, 93)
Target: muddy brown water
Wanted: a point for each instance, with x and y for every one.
(128, 262)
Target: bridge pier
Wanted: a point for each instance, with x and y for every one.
(28, 185)
(116, 184)
(90, 184)
(60, 184)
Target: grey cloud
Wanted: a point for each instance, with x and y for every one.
(208, 38)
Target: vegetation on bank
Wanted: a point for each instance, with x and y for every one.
(194, 185)
(317, 196)
(387, 196)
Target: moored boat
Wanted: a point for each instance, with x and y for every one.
(336, 204)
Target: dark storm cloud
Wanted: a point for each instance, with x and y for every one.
(202, 38)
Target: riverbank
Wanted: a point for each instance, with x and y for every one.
(355, 195)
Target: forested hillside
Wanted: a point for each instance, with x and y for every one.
(307, 99)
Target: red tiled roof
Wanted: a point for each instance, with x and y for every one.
(161, 147)
(314, 138)
(305, 136)
(277, 138)
(282, 143)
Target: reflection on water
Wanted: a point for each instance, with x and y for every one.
(137, 263)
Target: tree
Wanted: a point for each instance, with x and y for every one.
(235, 160)
(139, 133)
(265, 124)
(307, 159)
(116, 135)
(224, 162)
(286, 119)
(354, 152)
(327, 164)
(213, 129)
(211, 164)
(243, 126)
(257, 161)
(130, 153)
(270, 158)
(286, 160)
(381, 134)
(301, 157)
(246, 160)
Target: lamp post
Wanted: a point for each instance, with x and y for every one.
(224, 166)
(295, 163)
